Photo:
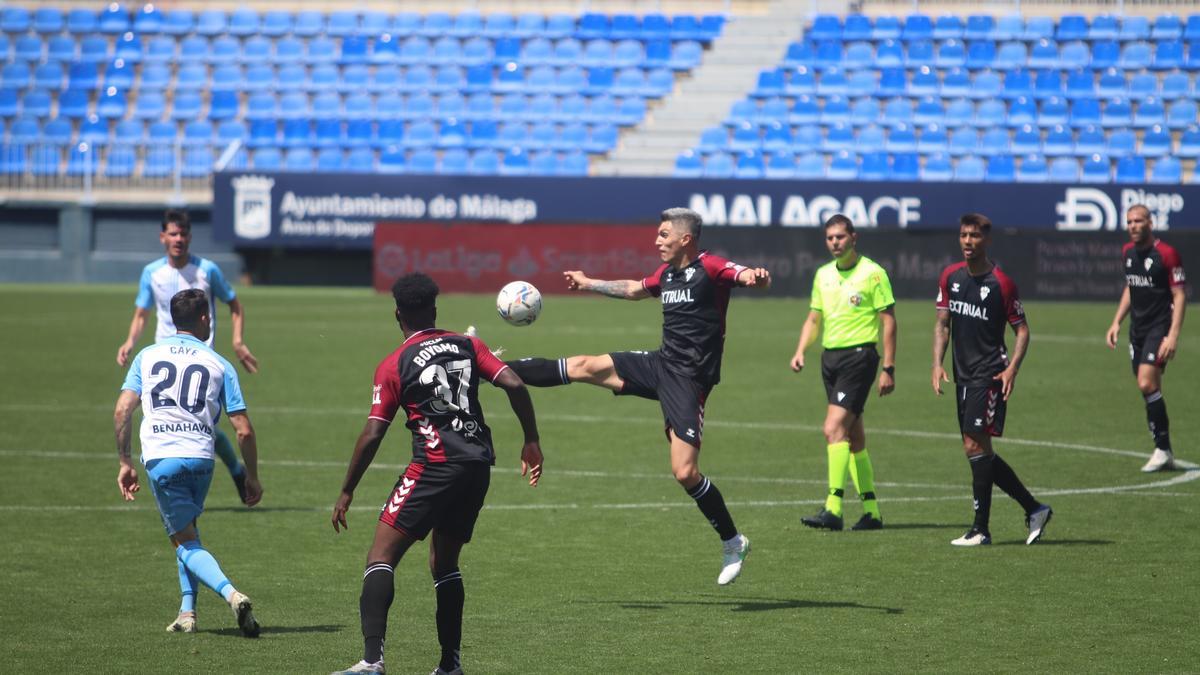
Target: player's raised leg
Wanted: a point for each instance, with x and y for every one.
(1149, 381)
(540, 372)
(863, 475)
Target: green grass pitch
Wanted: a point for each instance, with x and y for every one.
(607, 567)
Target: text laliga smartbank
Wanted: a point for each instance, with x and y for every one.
(796, 211)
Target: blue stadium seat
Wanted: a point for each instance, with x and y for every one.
(890, 54)
(114, 19)
(1150, 112)
(49, 76)
(244, 21)
(1189, 142)
(780, 165)
(150, 105)
(919, 53)
(925, 82)
(390, 133)
(1033, 169)
(1135, 28)
(862, 83)
(980, 27)
(956, 83)
(9, 103)
(212, 22)
(276, 23)
(1090, 141)
(263, 133)
(1105, 54)
(225, 49)
(1038, 28)
(959, 112)
(176, 22)
(1074, 55)
(15, 76)
(160, 50)
(1085, 112)
(1156, 142)
(1000, 169)
(1064, 170)
(1182, 114)
(749, 165)
(832, 82)
(970, 169)
(48, 20)
(902, 138)
(1112, 84)
(453, 134)
(259, 77)
(28, 48)
(393, 160)
(197, 162)
(1009, 27)
(858, 55)
(57, 131)
(194, 51)
(843, 165)
(93, 49)
(937, 168)
(374, 22)
(809, 166)
(300, 160)
(886, 28)
(1135, 56)
(745, 137)
(1027, 139)
(515, 162)
(230, 131)
(864, 111)
(835, 110)
(330, 160)
(934, 138)
(82, 21)
(839, 137)
(951, 54)
(128, 132)
(1192, 58)
(800, 81)
(120, 161)
(1072, 27)
(1167, 170)
(807, 138)
(874, 167)
(421, 134)
(321, 50)
(994, 141)
(355, 50)
(1048, 83)
(1059, 141)
(805, 110)
(342, 23)
(1080, 84)
(58, 48)
(1176, 86)
(947, 27)
(1168, 55)
(112, 103)
(906, 166)
(268, 159)
(187, 105)
(483, 162)
(1104, 27)
(1044, 54)
(1097, 168)
(1117, 112)
(990, 113)
(360, 160)
(1054, 110)
(980, 54)
(227, 78)
(1131, 170)
(825, 27)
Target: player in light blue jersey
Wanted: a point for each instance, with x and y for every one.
(165, 277)
(182, 385)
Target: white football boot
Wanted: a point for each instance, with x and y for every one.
(362, 667)
(735, 553)
(1161, 460)
(184, 623)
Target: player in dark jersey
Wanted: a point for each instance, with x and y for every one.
(694, 287)
(1155, 298)
(432, 381)
(975, 300)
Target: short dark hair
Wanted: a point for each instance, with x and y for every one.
(976, 220)
(687, 218)
(1144, 209)
(839, 219)
(179, 217)
(187, 306)
(414, 293)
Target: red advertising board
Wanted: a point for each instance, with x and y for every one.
(478, 258)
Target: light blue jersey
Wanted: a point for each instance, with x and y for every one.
(160, 282)
(183, 385)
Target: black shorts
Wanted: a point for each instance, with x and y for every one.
(981, 409)
(848, 375)
(681, 397)
(1143, 349)
(443, 496)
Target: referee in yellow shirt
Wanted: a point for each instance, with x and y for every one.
(852, 296)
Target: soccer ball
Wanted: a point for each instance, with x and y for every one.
(519, 303)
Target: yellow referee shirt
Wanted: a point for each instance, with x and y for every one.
(850, 301)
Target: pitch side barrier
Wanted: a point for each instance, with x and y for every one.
(477, 233)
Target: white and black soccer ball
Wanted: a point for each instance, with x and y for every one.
(519, 303)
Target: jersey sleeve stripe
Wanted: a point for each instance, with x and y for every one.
(497, 375)
(381, 419)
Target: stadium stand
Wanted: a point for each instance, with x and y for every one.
(344, 90)
(981, 98)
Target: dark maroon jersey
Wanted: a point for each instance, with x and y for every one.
(979, 307)
(694, 300)
(1151, 274)
(434, 378)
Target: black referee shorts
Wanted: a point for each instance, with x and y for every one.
(682, 398)
(1143, 349)
(848, 375)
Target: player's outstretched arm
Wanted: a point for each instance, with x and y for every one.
(808, 333)
(127, 476)
(248, 444)
(237, 319)
(364, 453)
(1008, 376)
(625, 289)
(754, 277)
(522, 405)
(1114, 330)
(136, 326)
(941, 339)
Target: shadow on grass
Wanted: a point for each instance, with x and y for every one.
(919, 526)
(746, 604)
(1059, 542)
(282, 630)
(265, 509)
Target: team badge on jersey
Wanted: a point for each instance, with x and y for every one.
(375, 393)
(983, 292)
(1149, 263)
(687, 274)
(1177, 275)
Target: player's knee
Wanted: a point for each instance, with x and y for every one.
(835, 433)
(975, 445)
(686, 474)
(1147, 385)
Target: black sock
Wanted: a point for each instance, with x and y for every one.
(1006, 478)
(981, 486)
(377, 593)
(450, 597)
(1156, 419)
(712, 505)
(539, 372)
